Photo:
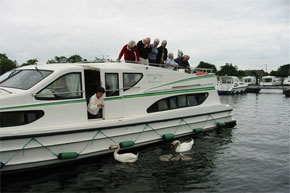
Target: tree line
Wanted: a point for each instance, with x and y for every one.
(228, 69)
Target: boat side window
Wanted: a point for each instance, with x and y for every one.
(112, 84)
(131, 79)
(68, 86)
(179, 101)
(191, 100)
(16, 118)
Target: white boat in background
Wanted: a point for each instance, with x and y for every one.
(249, 80)
(228, 85)
(44, 118)
(286, 81)
(270, 80)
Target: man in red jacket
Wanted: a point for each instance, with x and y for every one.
(130, 52)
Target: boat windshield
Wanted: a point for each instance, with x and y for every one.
(226, 80)
(267, 79)
(23, 79)
(6, 75)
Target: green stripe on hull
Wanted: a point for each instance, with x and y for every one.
(187, 79)
(113, 98)
(161, 93)
(44, 104)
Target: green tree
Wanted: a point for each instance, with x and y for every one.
(6, 64)
(284, 70)
(207, 65)
(274, 73)
(30, 62)
(74, 58)
(60, 59)
(240, 73)
(228, 69)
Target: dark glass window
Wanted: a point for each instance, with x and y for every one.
(131, 79)
(112, 84)
(68, 86)
(179, 101)
(16, 118)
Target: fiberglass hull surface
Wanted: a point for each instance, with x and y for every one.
(33, 151)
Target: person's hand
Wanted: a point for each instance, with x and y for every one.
(100, 105)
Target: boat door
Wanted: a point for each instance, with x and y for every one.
(113, 103)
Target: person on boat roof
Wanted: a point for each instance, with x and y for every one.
(130, 52)
(170, 63)
(144, 50)
(183, 61)
(153, 52)
(162, 53)
(96, 103)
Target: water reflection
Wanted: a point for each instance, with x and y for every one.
(147, 174)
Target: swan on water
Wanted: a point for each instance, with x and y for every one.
(125, 157)
(182, 147)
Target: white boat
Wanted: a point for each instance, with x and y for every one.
(270, 80)
(44, 118)
(249, 80)
(228, 85)
(286, 81)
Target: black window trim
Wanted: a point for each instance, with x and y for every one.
(25, 70)
(128, 88)
(48, 98)
(187, 106)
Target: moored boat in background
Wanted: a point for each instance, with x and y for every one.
(228, 85)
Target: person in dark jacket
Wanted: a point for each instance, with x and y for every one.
(130, 52)
(153, 53)
(183, 61)
(162, 53)
(144, 50)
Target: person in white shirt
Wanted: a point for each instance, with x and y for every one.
(96, 102)
(170, 63)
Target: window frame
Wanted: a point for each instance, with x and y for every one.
(128, 88)
(118, 79)
(48, 98)
(177, 100)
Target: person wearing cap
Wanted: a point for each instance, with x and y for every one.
(153, 53)
(130, 52)
(144, 50)
(162, 53)
(96, 103)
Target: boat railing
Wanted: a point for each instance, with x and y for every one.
(178, 68)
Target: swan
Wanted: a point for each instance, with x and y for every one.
(182, 147)
(125, 157)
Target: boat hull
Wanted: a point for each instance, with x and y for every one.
(29, 152)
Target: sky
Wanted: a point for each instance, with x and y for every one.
(251, 34)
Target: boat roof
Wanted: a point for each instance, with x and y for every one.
(103, 66)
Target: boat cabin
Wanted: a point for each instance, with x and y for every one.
(61, 92)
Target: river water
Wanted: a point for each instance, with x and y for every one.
(252, 157)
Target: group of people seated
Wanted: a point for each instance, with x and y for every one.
(150, 54)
